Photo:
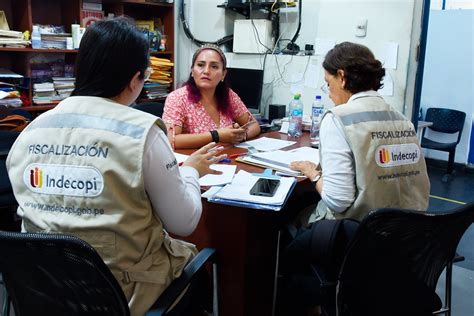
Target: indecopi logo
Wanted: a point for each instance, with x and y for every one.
(36, 178)
(384, 156)
(70, 180)
(397, 155)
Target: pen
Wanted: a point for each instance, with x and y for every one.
(225, 160)
(237, 155)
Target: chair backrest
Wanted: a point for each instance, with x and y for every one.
(7, 138)
(55, 274)
(395, 259)
(446, 120)
(155, 108)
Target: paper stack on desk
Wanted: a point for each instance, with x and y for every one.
(280, 160)
(238, 193)
(284, 158)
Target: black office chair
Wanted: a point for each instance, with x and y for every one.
(394, 261)
(155, 108)
(56, 274)
(444, 121)
(8, 220)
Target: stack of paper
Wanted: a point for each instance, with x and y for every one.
(63, 86)
(238, 193)
(161, 70)
(12, 39)
(266, 144)
(285, 158)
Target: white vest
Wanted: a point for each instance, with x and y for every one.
(78, 169)
(389, 164)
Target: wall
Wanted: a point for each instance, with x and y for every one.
(449, 71)
(388, 21)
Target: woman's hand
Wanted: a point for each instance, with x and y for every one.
(232, 134)
(308, 168)
(202, 158)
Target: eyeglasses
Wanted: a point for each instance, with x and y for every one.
(147, 73)
(325, 88)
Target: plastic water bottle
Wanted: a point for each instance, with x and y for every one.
(317, 111)
(296, 116)
(36, 37)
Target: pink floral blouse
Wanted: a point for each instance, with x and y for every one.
(192, 117)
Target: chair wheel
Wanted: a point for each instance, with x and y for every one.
(446, 178)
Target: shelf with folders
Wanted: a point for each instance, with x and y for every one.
(159, 84)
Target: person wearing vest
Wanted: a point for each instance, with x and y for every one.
(105, 172)
(370, 156)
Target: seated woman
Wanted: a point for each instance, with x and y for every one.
(205, 109)
(109, 174)
(370, 158)
(354, 177)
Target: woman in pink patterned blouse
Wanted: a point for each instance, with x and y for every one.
(205, 109)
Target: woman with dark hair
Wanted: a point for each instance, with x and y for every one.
(370, 158)
(96, 168)
(205, 109)
(353, 178)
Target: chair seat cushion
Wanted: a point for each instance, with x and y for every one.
(428, 143)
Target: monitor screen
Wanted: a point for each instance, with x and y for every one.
(247, 83)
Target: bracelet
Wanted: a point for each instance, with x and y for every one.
(215, 136)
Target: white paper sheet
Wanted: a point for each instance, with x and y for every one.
(268, 144)
(228, 172)
(312, 76)
(387, 88)
(284, 158)
(387, 53)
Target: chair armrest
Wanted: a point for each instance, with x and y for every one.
(172, 292)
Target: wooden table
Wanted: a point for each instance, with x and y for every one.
(246, 242)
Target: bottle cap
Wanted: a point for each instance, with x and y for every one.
(297, 96)
(318, 97)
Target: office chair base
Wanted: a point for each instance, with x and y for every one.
(447, 178)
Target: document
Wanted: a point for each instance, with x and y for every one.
(285, 158)
(265, 164)
(228, 172)
(266, 144)
(239, 190)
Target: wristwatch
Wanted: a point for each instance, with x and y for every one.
(215, 136)
(316, 179)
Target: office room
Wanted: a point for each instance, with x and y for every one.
(273, 51)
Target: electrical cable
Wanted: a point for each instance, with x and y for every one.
(292, 47)
(187, 31)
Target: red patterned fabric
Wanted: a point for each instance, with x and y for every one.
(193, 118)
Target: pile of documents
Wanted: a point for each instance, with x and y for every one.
(12, 39)
(155, 90)
(161, 70)
(63, 86)
(9, 84)
(44, 93)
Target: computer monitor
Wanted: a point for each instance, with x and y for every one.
(247, 83)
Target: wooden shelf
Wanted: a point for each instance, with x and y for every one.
(39, 107)
(148, 3)
(23, 14)
(166, 52)
(35, 50)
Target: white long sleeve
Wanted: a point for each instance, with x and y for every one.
(174, 192)
(337, 165)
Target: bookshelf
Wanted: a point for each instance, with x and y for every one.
(21, 15)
